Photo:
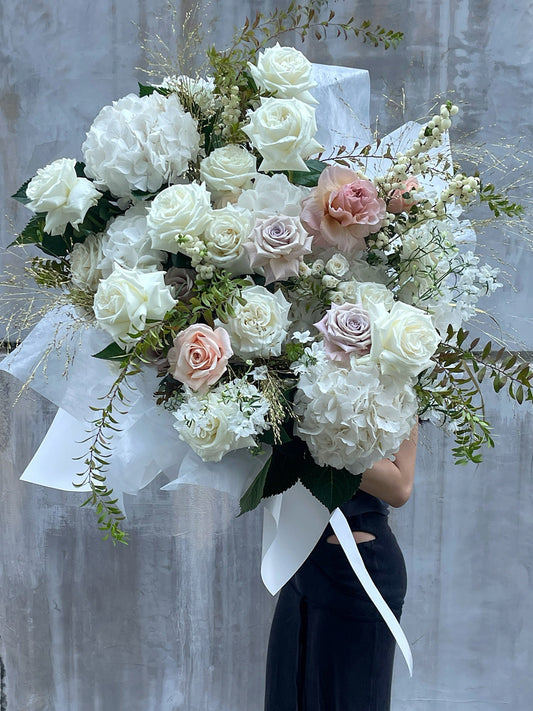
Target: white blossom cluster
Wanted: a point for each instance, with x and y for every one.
(226, 418)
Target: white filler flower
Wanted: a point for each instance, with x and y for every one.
(140, 143)
(65, 198)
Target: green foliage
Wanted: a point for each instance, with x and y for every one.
(20, 195)
(254, 493)
(308, 179)
(499, 203)
(111, 352)
(453, 388)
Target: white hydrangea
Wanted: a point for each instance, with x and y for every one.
(126, 242)
(228, 417)
(273, 195)
(353, 417)
(140, 143)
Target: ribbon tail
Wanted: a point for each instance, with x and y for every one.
(342, 530)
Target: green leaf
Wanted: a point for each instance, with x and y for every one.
(111, 352)
(254, 493)
(308, 178)
(33, 232)
(20, 195)
(332, 487)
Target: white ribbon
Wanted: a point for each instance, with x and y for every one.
(293, 523)
(343, 532)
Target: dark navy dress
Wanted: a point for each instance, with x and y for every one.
(329, 648)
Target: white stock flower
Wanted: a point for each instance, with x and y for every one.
(283, 132)
(351, 417)
(65, 198)
(273, 195)
(403, 340)
(260, 325)
(140, 143)
(229, 169)
(225, 236)
(127, 243)
(126, 299)
(195, 89)
(85, 258)
(285, 72)
(222, 420)
(176, 212)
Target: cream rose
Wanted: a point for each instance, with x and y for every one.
(85, 259)
(126, 299)
(403, 340)
(229, 169)
(283, 132)
(225, 235)
(178, 212)
(285, 72)
(65, 198)
(199, 356)
(260, 324)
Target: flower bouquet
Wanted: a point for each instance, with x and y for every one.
(249, 294)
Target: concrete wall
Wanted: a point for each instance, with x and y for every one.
(178, 620)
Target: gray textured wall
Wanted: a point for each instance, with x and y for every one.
(178, 620)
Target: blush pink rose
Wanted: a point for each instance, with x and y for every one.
(199, 356)
(346, 330)
(342, 210)
(403, 199)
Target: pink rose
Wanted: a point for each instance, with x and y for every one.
(346, 330)
(402, 200)
(199, 356)
(278, 244)
(342, 210)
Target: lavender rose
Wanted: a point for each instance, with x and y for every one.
(278, 244)
(346, 330)
(181, 281)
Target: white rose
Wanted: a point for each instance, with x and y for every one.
(126, 299)
(373, 296)
(229, 169)
(57, 190)
(84, 263)
(285, 72)
(225, 235)
(403, 340)
(126, 243)
(140, 143)
(176, 212)
(260, 324)
(337, 265)
(283, 132)
(210, 433)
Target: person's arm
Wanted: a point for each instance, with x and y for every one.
(393, 481)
